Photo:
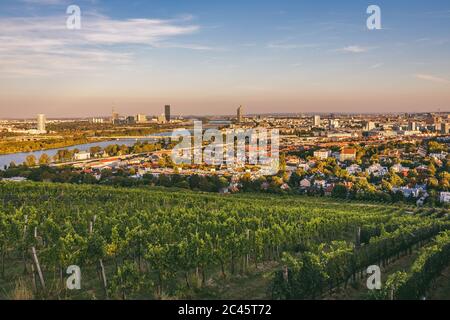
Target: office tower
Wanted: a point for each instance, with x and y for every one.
(334, 124)
(114, 117)
(239, 114)
(41, 123)
(131, 120)
(97, 120)
(141, 118)
(316, 121)
(369, 126)
(438, 126)
(167, 113)
(445, 128)
(162, 119)
(412, 126)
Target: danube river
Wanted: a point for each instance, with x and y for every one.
(19, 158)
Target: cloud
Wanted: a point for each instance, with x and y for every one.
(44, 45)
(45, 2)
(354, 49)
(189, 46)
(431, 78)
(376, 66)
(286, 45)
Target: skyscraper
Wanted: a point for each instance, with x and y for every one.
(369, 126)
(131, 120)
(239, 114)
(41, 123)
(316, 121)
(114, 117)
(445, 128)
(167, 112)
(334, 124)
(141, 118)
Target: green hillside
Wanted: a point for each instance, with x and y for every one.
(170, 244)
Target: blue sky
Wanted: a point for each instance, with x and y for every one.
(207, 57)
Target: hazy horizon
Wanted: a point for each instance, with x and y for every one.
(207, 58)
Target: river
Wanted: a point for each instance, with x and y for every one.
(19, 158)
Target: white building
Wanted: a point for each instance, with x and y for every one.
(445, 197)
(440, 156)
(322, 154)
(97, 120)
(83, 155)
(316, 121)
(41, 123)
(416, 192)
(369, 126)
(353, 169)
(334, 124)
(377, 170)
(141, 118)
(162, 119)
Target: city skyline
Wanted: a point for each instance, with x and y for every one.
(208, 58)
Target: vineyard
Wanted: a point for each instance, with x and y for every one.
(168, 244)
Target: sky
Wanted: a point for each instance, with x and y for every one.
(207, 57)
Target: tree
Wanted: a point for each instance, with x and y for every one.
(395, 180)
(44, 159)
(436, 147)
(30, 161)
(283, 162)
(95, 150)
(339, 191)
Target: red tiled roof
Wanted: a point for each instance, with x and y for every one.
(348, 151)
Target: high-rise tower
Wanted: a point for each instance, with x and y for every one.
(41, 123)
(239, 114)
(167, 113)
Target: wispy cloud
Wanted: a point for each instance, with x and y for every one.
(354, 49)
(432, 78)
(287, 45)
(45, 2)
(376, 66)
(290, 43)
(189, 46)
(43, 45)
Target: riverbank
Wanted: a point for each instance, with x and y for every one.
(20, 157)
(13, 147)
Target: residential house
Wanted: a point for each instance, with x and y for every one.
(305, 184)
(415, 192)
(377, 170)
(80, 156)
(445, 197)
(320, 183)
(322, 154)
(440, 156)
(398, 168)
(354, 169)
(304, 166)
(329, 189)
(347, 154)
